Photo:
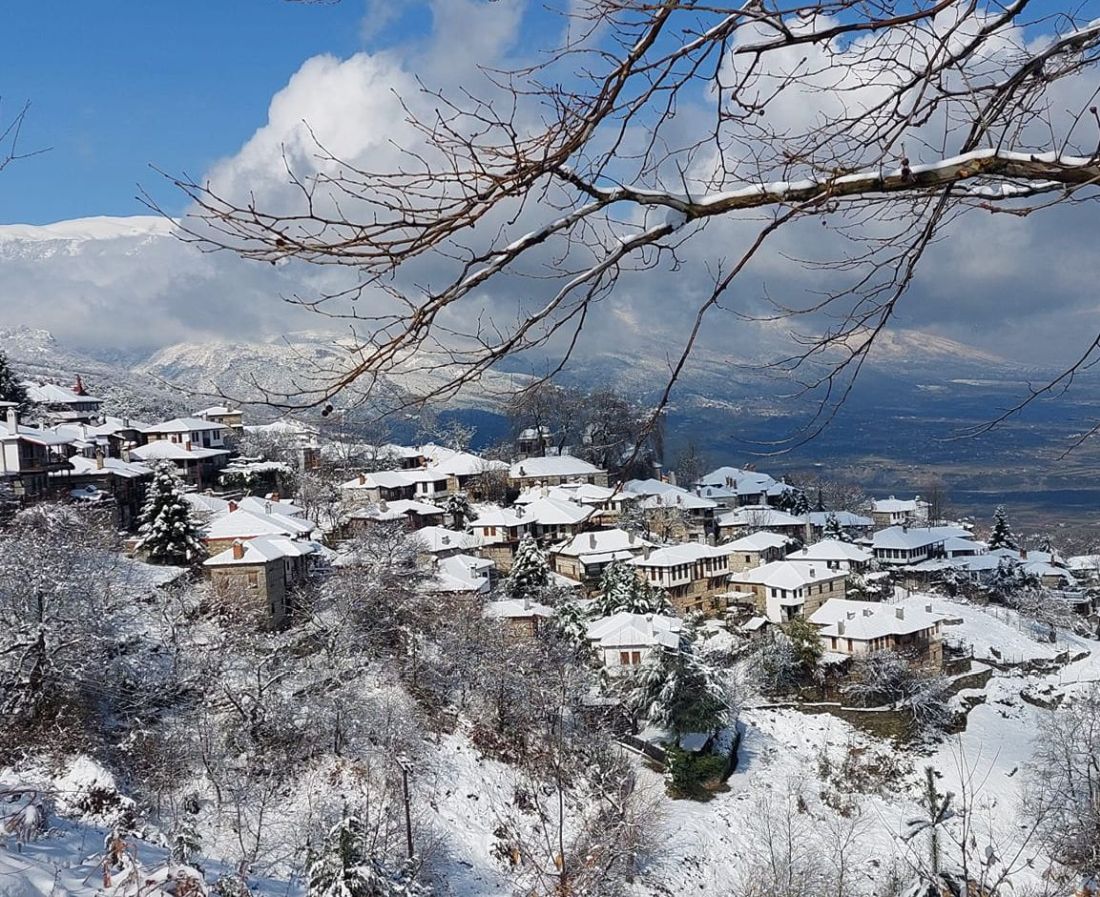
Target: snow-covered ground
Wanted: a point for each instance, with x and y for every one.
(705, 848)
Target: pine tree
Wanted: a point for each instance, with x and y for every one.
(186, 842)
(1002, 536)
(800, 505)
(344, 868)
(11, 389)
(833, 529)
(169, 532)
(677, 691)
(621, 589)
(530, 573)
(458, 507)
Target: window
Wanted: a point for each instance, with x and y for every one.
(748, 558)
(635, 657)
(624, 658)
(253, 580)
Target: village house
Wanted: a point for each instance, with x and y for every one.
(28, 455)
(59, 404)
(896, 512)
(521, 618)
(784, 590)
(551, 520)
(553, 470)
(899, 546)
(192, 432)
(756, 549)
(584, 558)
(855, 525)
(440, 542)
(533, 441)
(466, 472)
(732, 487)
(125, 482)
(237, 524)
(861, 627)
(694, 575)
(195, 465)
(261, 573)
(753, 518)
(625, 641)
(221, 414)
(836, 555)
(414, 514)
(607, 502)
(499, 531)
(459, 576)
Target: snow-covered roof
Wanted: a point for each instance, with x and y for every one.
(846, 519)
(893, 505)
(616, 543)
(760, 541)
(262, 550)
(789, 575)
(111, 467)
(866, 620)
(435, 539)
(163, 450)
(582, 493)
(517, 609)
(242, 524)
(684, 553)
(270, 506)
(758, 515)
(649, 487)
(460, 573)
(915, 536)
(675, 497)
(737, 481)
(1043, 569)
(627, 630)
(552, 466)
(385, 479)
(464, 464)
(206, 504)
(395, 510)
(832, 550)
(494, 515)
(184, 425)
(32, 434)
(219, 410)
(52, 394)
(554, 512)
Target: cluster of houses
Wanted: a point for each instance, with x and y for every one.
(726, 546)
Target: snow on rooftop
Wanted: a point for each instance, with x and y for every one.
(832, 550)
(552, 466)
(788, 574)
(625, 629)
(262, 550)
(184, 425)
(760, 541)
(607, 541)
(866, 620)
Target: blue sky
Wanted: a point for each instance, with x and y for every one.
(116, 86)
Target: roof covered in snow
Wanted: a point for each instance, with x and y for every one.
(552, 466)
(627, 630)
(866, 620)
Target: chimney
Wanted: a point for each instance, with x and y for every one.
(900, 612)
(867, 612)
(630, 538)
(592, 541)
(78, 387)
(125, 453)
(928, 608)
(13, 420)
(232, 506)
(99, 459)
(187, 445)
(646, 552)
(238, 550)
(851, 615)
(382, 506)
(267, 507)
(840, 627)
(362, 479)
(813, 572)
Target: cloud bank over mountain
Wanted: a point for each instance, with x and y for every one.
(1019, 287)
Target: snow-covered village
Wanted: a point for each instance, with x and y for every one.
(550, 448)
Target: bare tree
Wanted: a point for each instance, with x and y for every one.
(652, 122)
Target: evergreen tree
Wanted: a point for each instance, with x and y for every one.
(458, 507)
(169, 531)
(677, 691)
(1002, 536)
(621, 589)
(833, 529)
(530, 573)
(800, 505)
(344, 868)
(11, 388)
